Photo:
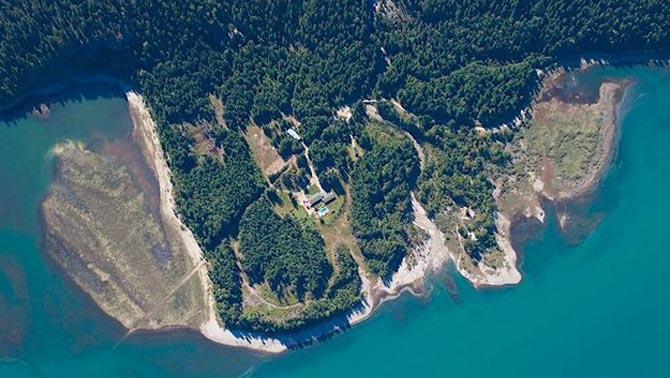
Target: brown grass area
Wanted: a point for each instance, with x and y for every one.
(264, 153)
(217, 104)
(336, 230)
(294, 121)
(567, 147)
(568, 143)
(204, 145)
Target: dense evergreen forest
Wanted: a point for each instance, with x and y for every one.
(286, 255)
(382, 210)
(451, 63)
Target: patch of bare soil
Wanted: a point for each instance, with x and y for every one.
(264, 153)
(217, 104)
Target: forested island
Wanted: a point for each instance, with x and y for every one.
(307, 140)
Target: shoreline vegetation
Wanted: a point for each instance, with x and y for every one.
(408, 278)
(431, 256)
(280, 184)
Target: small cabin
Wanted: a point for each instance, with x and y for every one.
(294, 134)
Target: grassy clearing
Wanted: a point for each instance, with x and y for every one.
(218, 107)
(261, 301)
(288, 299)
(336, 229)
(289, 206)
(312, 189)
(335, 209)
(567, 143)
(565, 136)
(265, 155)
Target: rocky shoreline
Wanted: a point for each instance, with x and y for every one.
(409, 278)
(570, 205)
(430, 257)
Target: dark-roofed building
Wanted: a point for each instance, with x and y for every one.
(328, 198)
(313, 200)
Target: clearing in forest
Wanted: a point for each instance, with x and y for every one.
(264, 153)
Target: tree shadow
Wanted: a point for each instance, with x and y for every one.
(70, 90)
(308, 335)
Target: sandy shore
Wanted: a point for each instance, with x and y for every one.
(508, 274)
(430, 257)
(144, 129)
(409, 277)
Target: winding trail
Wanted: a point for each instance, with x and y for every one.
(418, 148)
(259, 298)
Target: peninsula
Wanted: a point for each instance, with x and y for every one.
(294, 165)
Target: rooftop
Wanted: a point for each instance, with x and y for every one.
(315, 198)
(330, 197)
(294, 134)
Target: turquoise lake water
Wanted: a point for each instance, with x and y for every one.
(599, 309)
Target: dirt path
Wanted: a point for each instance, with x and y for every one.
(258, 298)
(314, 179)
(178, 286)
(162, 301)
(418, 148)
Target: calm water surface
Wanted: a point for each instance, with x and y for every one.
(599, 309)
(48, 328)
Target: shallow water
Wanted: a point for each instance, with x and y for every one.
(47, 326)
(598, 309)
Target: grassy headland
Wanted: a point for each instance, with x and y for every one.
(565, 151)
